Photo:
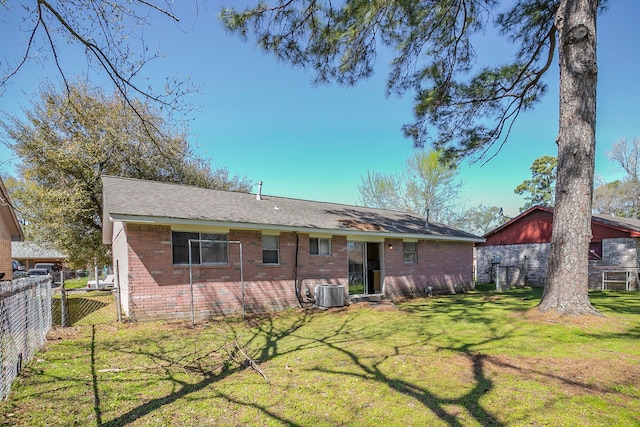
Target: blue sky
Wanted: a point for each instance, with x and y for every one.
(265, 119)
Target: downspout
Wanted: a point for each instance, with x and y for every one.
(295, 273)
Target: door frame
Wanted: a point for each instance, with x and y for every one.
(372, 267)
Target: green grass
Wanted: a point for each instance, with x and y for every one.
(463, 360)
(85, 308)
(80, 282)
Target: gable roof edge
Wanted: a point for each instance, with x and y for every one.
(4, 195)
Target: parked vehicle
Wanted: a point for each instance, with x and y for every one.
(106, 283)
(47, 266)
(16, 265)
(52, 268)
(38, 272)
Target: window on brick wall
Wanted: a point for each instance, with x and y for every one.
(211, 249)
(319, 246)
(270, 249)
(410, 252)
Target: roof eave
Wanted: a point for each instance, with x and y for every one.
(14, 218)
(255, 226)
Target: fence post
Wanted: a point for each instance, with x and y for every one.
(63, 306)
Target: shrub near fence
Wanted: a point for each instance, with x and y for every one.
(25, 319)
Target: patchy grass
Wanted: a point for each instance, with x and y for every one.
(478, 359)
(77, 283)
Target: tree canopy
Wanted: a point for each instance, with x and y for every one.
(73, 136)
(540, 189)
(621, 197)
(426, 184)
(461, 107)
(111, 35)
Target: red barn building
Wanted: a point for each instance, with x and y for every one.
(517, 252)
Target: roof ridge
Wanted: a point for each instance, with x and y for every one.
(263, 195)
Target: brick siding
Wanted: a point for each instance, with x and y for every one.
(5, 258)
(533, 260)
(520, 265)
(447, 267)
(153, 288)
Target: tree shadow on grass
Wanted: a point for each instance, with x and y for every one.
(268, 336)
(274, 338)
(339, 337)
(182, 388)
(620, 302)
(437, 405)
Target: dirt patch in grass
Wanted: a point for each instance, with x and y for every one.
(584, 321)
(573, 376)
(60, 333)
(378, 306)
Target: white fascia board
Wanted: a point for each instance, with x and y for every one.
(357, 235)
(107, 231)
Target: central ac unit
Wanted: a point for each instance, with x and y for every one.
(329, 296)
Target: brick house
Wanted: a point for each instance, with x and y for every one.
(262, 253)
(518, 251)
(10, 230)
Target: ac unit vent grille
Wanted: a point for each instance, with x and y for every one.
(329, 296)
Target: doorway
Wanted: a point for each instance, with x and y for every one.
(365, 264)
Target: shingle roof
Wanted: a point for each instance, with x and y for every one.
(133, 200)
(30, 250)
(629, 224)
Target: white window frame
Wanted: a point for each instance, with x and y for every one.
(268, 238)
(198, 247)
(410, 256)
(319, 246)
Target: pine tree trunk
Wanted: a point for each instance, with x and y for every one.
(566, 291)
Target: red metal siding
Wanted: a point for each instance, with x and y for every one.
(533, 228)
(599, 232)
(536, 227)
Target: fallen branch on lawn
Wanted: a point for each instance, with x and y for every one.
(246, 360)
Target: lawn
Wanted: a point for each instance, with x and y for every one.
(76, 283)
(477, 359)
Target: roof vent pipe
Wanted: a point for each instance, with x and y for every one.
(259, 193)
(426, 221)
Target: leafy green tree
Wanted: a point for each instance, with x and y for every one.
(427, 183)
(540, 189)
(461, 107)
(69, 139)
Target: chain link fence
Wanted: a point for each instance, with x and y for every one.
(25, 319)
(74, 307)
